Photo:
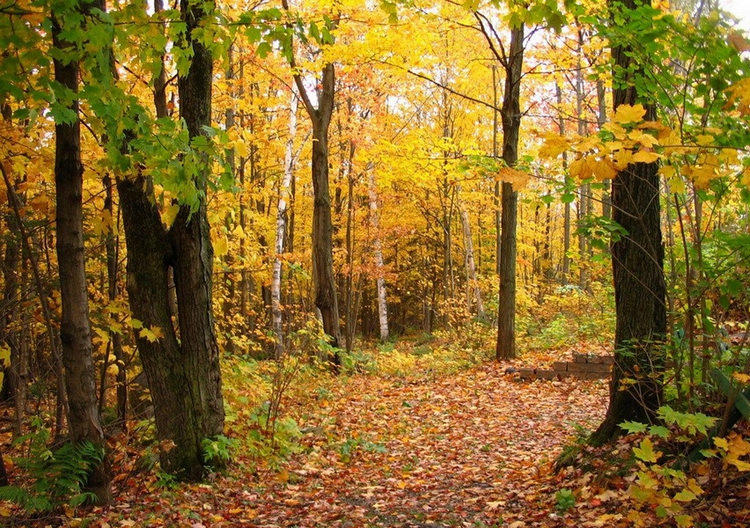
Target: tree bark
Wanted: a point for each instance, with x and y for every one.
(511, 120)
(75, 328)
(378, 250)
(637, 267)
(326, 299)
(183, 374)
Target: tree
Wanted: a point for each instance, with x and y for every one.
(510, 116)
(75, 327)
(637, 265)
(181, 362)
(326, 299)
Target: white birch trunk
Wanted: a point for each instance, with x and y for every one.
(471, 269)
(281, 220)
(377, 247)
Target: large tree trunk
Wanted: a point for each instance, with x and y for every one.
(511, 119)
(183, 373)
(378, 250)
(637, 266)
(75, 329)
(322, 231)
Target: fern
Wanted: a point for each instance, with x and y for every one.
(57, 477)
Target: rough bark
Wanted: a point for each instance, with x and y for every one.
(326, 299)
(183, 374)
(113, 291)
(511, 120)
(637, 266)
(75, 328)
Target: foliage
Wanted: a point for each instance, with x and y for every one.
(55, 477)
(661, 482)
(564, 500)
(217, 450)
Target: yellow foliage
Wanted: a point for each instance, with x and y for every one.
(740, 94)
(629, 114)
(516, 177)
(645, 156)
(554, 145)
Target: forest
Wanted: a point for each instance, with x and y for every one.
(394, 263)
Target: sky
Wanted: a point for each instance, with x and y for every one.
(741, 9)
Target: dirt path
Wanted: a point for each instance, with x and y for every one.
(461, 450)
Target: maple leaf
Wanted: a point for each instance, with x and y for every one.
(646, 451)
(554, 145)
(152, 334)
(629, 114)
(644, 156)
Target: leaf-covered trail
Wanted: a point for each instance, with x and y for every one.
(460, 450)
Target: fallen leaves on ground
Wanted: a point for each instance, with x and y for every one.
(468, 449)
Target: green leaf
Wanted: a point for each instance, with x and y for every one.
(633, 427)
(660, 431)
(685, 496)
(646, 451)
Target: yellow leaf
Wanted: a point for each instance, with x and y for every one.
(553, 146)
(604, 170)
(684, 521)
(629, 114)
(5, 512)
(738, 446)
(152, 334)
(721, 443)
(739, 464)
(221, 247)
(685, 496)
(702, 176)
(240, 147)
(517, 178)
(646, 451)
(647, 140)
(622, 159)
(577, 169)
(741, 377)
(170, 214)
(645, 156)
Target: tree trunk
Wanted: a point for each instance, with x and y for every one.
(112, 245)
(281, 225)
(322, 244)
(473, 291)
(75, 329)
(378, 250)
(511, 119)
(183, 374)
(566, 213)
(601, 119)
(637, 267)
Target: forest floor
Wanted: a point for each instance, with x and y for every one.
(459, 447)
(471, 448)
